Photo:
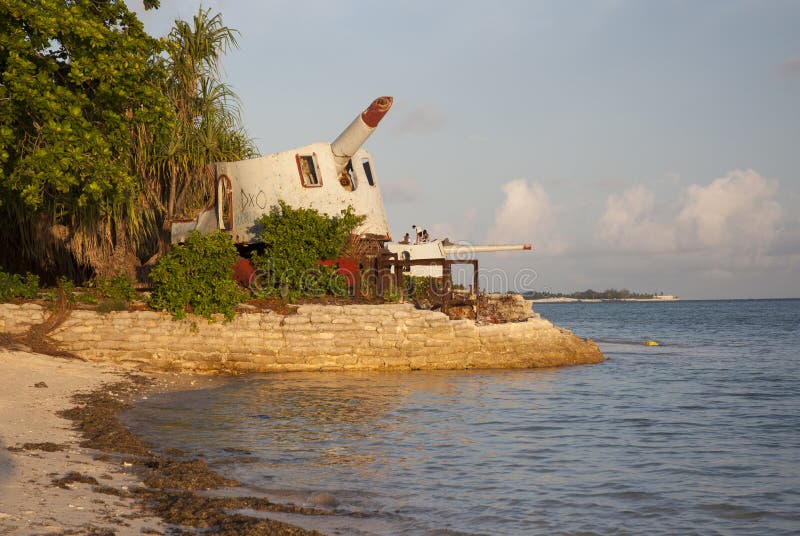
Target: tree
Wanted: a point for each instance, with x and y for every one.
(77, 80)
(207, 125)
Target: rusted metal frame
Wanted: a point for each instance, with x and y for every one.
(398, 276)
(357, 291)
(474, 263)
(400, 265)
(423, 262)
(447, 282)
(447, 275)
(383, 265)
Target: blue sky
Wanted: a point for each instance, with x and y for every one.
(640, 144)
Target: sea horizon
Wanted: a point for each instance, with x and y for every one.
(678, 299)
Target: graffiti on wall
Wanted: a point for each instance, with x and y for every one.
(253, 200)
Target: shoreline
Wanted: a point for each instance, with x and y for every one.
(40, 448)
(68, 466)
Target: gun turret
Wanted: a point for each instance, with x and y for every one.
(349, 141)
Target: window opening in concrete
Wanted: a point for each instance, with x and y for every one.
(347, 178)
(309, 171)
(368, 171)
(225, 203)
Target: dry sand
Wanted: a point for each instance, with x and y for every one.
(29, 502)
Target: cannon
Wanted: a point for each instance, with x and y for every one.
(327, 177)
(441, 250)
(354, 136)
(468, 249)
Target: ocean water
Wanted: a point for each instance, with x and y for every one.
(698, 436)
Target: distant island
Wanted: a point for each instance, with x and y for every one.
(595, 296)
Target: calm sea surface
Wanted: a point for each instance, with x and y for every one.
(698, 436)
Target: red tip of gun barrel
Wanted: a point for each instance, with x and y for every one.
(526, 246)
(373, 115)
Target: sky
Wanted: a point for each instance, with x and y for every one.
(648, 145)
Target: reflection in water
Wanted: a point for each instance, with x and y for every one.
(346, 419)
(700, 435)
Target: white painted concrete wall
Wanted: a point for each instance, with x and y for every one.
(259, 183)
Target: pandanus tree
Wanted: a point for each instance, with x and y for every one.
(207, 125)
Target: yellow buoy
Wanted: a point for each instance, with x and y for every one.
(651, 343)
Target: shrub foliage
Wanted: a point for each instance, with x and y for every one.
(17, 286)
(117, 288)
(295, 240)
(196, 276)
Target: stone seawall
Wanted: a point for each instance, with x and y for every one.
(317, 337)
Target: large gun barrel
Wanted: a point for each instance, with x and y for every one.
(349, 141)
(462, 249)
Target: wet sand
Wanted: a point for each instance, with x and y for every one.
(68, 466)
(40, 447)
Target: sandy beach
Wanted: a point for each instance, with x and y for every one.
(104, 480)
(40, 447)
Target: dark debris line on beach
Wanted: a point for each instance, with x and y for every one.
(44, 447)
(169, 483)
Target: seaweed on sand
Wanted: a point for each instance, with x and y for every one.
(170, 484)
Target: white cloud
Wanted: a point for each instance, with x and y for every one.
(737, 212)
(526, 215)
(626, 210)
(630, 221)
(734, 220)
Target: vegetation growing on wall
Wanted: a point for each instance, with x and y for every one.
(17, 286)
(196, 277)
(118, 288)
(109, 294)
(295, 240)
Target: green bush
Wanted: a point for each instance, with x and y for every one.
(109, 294)
(295, 240)
(196, 276)
(393, 294)
(118, 288)
(421, 288)
(17, 286)
(68, 287)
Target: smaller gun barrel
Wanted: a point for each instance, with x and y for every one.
(461, 249)
(354, 136)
